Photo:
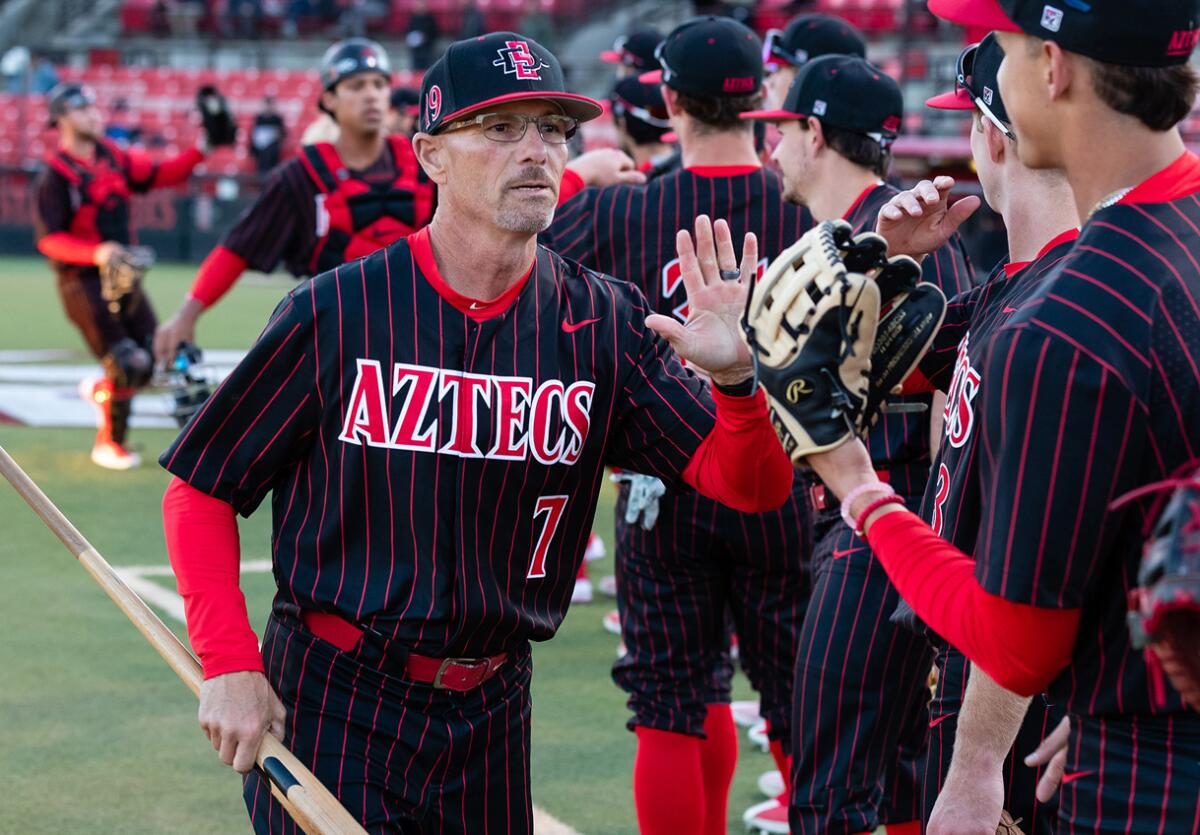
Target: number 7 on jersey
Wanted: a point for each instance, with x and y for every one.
(552, 507)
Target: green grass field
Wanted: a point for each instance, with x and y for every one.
(98, 734)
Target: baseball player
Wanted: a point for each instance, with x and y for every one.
(333, 203)
(1039, 214)
(1086, 390)
(404, 106)
(433, 423)
(633, 53)
(82, 226)
(860, 721)
(677, 576)
(642, 121)
(805, 38)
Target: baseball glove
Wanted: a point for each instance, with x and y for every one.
(1007, 825)
(123, 273)
(220, 128)
(1166, 606)
(823, 355)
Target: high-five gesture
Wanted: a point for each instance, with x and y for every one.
(711, 339)
(920, 220)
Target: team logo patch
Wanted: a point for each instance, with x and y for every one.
(1183, 42)
(433, 105)
(516, 59)
(819, 107)
(1052, 18)
(738, 85)
(988, 95)
(960, 399)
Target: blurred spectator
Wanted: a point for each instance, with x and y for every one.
(184, 16)
(403, 110)
(45, 75)
(14, 66)
(242, 18)
(359, 15)
(322, 12)
(422, 35)
(118, 128)
(473, 24)
(536, 23)
(266, 137)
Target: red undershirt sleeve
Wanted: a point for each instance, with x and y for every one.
(741, 462)
(202, 542)
(177, 169)
(67, 248)
(1022, 647)
(216, 275)
(570, 185)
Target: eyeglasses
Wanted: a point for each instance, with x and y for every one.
(554, 129)
(775, 54)
(966, 80)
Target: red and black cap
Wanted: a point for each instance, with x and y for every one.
(810, 36)
(352, 57)
(637, 101)
(635, 50)
(67, 97)
(710, 57)
(1135, 33)
(492, 69)
(846, 92)
(406, 100)
(975, 85)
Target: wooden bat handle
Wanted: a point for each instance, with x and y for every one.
(304, 797)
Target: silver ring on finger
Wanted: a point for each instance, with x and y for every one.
(730, 275)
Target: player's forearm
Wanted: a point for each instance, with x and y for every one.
(1021, 647)
(177, 169)
(988, 724)
(741, 463)
(202, 543)
(216, 275)
(68, 248)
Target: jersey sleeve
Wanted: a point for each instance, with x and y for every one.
(1058, 428)
(52, 201)
(261, 420)
(665, 410)
(577, 231)
(936, 368)
(268, 228)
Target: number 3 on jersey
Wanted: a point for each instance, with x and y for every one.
(941, 493)
(552, 507)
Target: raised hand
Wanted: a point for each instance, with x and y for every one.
(920, 220)
(711, 339)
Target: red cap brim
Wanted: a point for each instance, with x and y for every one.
(670, 137)
(959, 99)
(610, 57)
(984, 13)
(652, 77)
(772, 115)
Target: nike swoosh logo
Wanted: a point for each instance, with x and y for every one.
(1075, 775)
(933, 723)
(837, 555)
(477, 306)
(571, 328)
(1008, 309)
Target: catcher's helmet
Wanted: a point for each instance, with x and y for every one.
(67, 97)
(351, 57)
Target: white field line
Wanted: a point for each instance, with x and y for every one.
(172, 605)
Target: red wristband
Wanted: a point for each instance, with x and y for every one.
(871, 508)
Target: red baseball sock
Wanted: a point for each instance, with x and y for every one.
(784, 764)
(668, 783)
(718, 759)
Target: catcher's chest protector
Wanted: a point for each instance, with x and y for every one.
(100, 193)
(356, 217)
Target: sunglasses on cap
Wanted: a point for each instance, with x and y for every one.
(621, 47)
(659, 120)
(965, 80)
(775, 55)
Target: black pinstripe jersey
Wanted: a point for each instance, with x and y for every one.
(1089, 388)
(435, 475)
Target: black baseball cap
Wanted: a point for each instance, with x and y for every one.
(843, 91)
(810, 36)
(635, 49)
(352, 57)
(67, 97)
(710, 56)
(975, 84)
(405, 99)
(1135, 33)
(492, 69)
(635, 99)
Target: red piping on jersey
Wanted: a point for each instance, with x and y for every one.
(67, 248)
(202, 543)
(740, 463)
(570, 185)
(722, 170)
(858, 200)
(477, 309)
(1014, 267)
(1022, 647)
(217, 274)
(1179, 179)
